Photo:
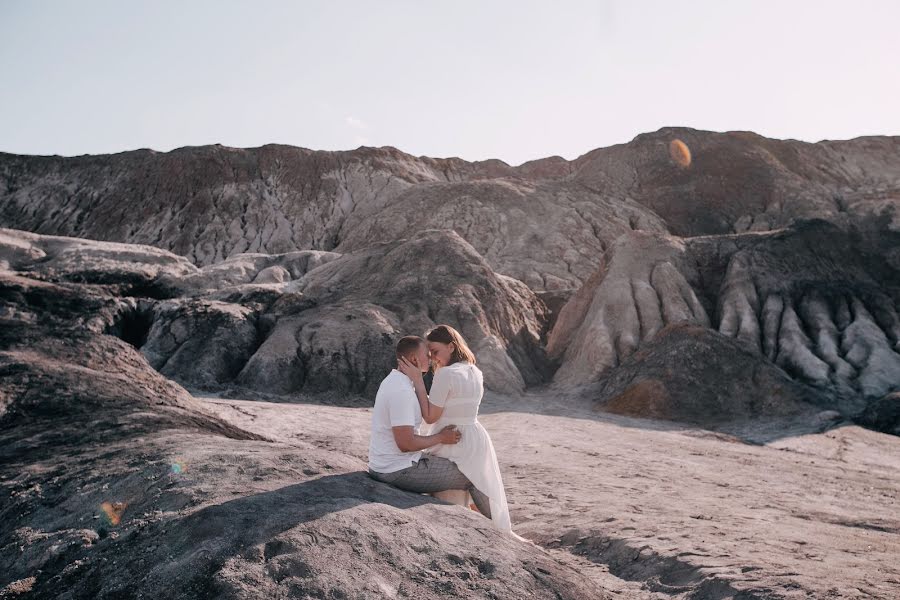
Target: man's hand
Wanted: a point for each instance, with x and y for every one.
(407, 440)
(449, 435)
(410, 369)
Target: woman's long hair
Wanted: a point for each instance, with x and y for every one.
(447, 335)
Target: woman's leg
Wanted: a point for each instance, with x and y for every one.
(481, 501)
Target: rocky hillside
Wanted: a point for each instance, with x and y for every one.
(292, 271)
(117, 483)
(544, 222)
(302, 322)
(731, 282)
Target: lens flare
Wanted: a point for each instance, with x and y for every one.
(113, 511)
(178, 467)
(680, 153)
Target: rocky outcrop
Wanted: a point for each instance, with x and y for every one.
(326, 323)
(415, 284)
(740, 181)
(827, 316)
(817, 300)
(547, 234)
(693, 374)
(639, 289)
(105, 463)
(883, 414)
(57, 364)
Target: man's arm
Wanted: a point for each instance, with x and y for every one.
(408, 441)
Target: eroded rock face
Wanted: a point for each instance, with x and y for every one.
(57, 364)
(201, 342)
(434, 277)
(639, 289)
(740, 181)
(133, 268)
(817, 300)
(105, 463)
(212, 202)
(547, 234)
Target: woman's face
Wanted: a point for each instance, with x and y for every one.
(440, 353)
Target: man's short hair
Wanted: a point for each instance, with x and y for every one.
(408, 344)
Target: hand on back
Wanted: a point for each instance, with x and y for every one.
(450, 435)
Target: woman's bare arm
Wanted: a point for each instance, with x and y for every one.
(430, 412)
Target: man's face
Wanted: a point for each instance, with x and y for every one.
(420, 357)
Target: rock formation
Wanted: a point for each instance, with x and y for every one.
(326, 323)
(740, 181)
(300, 266)
(639, 288)
(693, 374)
(817, 300)
(118, 483)
(711, 279)
(543, 222)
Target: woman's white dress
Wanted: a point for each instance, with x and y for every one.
(458, 388)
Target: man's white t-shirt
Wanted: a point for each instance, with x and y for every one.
(395, 405)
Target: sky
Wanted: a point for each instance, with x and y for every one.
(513, 80)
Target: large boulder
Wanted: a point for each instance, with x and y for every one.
(693, 374)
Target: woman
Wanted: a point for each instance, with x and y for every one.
(456, 392)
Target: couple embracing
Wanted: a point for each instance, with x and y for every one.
(452, 451)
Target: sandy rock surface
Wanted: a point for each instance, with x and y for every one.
(648, 509)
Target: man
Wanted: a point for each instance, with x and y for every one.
(395, 448)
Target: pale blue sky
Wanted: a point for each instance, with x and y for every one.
(510, 80)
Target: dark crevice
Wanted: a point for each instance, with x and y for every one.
(133, 326)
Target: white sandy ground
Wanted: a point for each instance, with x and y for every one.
(657, 510)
